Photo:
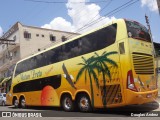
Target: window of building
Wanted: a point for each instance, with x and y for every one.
(27, 35)
(14, 38)
(42, 35)
(37, 35)
(52, 38)
(64, 38)
(3, 46)
(15, 53)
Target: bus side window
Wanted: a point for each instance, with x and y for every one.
(121, 48)
(74, 49)
(55, 56)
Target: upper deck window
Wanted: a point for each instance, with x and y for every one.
(86, 44)
(137, 31)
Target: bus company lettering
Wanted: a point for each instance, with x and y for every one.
(33, 75)
(25, 77)
(36, 74)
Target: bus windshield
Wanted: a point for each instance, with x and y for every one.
(137, 31)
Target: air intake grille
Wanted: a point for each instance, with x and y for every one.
(143, 63)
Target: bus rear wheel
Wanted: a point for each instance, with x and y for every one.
(84, 103)
(67, 103)
(22, 103)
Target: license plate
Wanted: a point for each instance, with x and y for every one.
(148, 95)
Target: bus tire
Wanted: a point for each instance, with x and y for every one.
(67, 103)
(84, 103)
(22, 103)
(15, 103)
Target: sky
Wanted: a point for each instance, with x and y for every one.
(77, 15)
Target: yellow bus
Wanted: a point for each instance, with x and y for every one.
(111, 66)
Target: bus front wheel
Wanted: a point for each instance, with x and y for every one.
(22, 103)
(67, 103)
(15, 103)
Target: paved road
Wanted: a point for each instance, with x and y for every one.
(114, 112)
(122, 113)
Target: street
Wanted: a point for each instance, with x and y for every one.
(128, 111)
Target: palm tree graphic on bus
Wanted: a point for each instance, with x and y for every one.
(98, 63)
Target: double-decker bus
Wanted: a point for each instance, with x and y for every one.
(108, 67)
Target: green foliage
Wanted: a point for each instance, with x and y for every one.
(98, 63)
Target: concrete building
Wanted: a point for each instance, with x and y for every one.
(28, 40)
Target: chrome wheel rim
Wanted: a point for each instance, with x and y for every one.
(84, 103)
(16, 103)
(23, 103)
(67, 103)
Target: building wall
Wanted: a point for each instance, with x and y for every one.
(39, 40)
(10, 55)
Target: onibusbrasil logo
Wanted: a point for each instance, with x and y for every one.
(21, 114)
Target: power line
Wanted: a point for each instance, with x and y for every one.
(92, 18)
(40, 1)
(118, 9)
(79, 10)
(95, 16)
(108, 3)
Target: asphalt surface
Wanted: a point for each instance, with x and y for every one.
(126, 111)
(129, 112)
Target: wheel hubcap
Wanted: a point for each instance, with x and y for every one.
(67, 103)
(84, 103)
(23, 103)
(16, 103)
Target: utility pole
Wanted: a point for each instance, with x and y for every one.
(149, 29)
(158, 4)
(156, 58)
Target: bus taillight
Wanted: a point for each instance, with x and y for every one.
(130, 81)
